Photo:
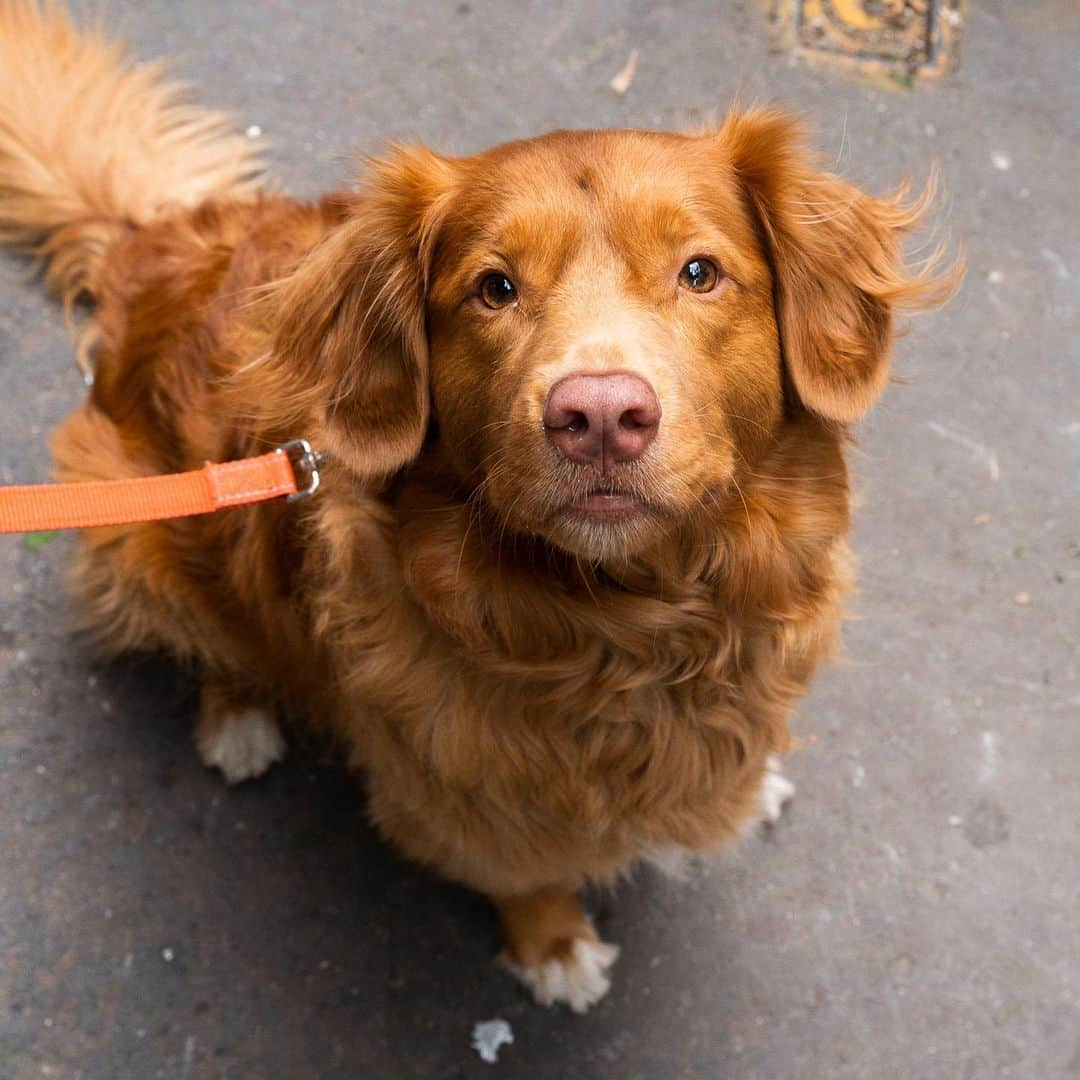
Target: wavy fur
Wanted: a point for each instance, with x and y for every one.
(91, 144)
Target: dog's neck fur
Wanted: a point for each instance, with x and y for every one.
(684, 608)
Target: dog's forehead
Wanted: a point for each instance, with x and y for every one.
(599, 167)
(565, 187)
(569, 154)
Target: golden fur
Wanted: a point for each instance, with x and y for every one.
(536, 698)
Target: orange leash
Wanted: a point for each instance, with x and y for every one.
(291, 471)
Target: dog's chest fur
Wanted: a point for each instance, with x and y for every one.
(500, 693)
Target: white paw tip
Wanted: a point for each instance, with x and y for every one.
(579, 981)
(243, 745)
(776, 791)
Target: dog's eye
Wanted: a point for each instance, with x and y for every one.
(497, 291)
(699, 275)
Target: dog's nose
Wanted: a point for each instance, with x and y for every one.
(601, 419)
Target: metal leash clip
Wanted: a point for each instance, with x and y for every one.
(305, 464)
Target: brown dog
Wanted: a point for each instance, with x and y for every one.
(580, 543)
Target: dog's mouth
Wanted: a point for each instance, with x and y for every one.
(604, 503)
(603, 518)
(607, 502)
(586, 514)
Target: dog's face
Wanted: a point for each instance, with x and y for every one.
(600, 329)
(601, 334)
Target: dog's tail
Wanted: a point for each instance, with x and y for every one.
(91, 145)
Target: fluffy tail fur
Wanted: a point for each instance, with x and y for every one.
(91, 144)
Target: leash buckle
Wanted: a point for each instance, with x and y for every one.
(305, 464)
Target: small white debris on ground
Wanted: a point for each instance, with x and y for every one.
(989, 765)
(1022, 598)
(253, 132)
(995, 277)
(977, 450)
(1001, 161)
(488, 1036)
(625, 75)
(168, 955)
(1057, 262)
(189, 1054)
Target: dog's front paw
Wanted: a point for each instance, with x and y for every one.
(577, 974)
(242, 743)
(552, 948)
(776, 791)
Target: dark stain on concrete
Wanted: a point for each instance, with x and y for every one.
(987, 824)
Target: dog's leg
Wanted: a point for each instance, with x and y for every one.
(236, 734)
(552, 948)
(776, 790)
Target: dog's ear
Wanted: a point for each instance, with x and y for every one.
(837, 261)
(349, 345)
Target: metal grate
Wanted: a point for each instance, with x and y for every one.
(899, 38)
